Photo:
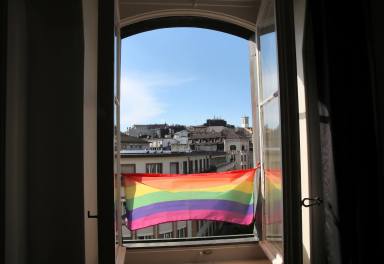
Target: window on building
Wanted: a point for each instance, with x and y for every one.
(185, 167)
(145, 237)
(166, 235)
(174, 168)
(181, 233)
(188, 230)
(190, 166)
(181, 227)
(154, 168)
(220, 147)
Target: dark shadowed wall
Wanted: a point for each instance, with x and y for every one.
(44, 194)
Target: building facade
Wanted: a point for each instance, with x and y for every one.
(133, 143)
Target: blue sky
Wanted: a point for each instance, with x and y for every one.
(184, 76)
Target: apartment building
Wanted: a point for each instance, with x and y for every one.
(133, 143)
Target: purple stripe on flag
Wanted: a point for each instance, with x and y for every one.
(214, 215)
(172, 206)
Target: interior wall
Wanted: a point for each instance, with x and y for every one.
(3, 74)
(44, 166)
(55, 132)
(350, 78)
(90, 16)
(374, 22)
(15, 135)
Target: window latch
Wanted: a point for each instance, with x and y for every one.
(308, 202)
(92, 216)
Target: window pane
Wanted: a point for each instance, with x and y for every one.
(272, 169)
(154, 168)
(190, 166)
(174, 167)
(268, 61)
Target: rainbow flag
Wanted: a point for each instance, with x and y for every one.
(158, 198)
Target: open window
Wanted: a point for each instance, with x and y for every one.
(272, 146)
(264, 63)
(214, 145)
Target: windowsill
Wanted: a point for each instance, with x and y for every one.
(180, 242)
(274, 253)
(234, 253)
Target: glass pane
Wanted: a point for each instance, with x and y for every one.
(154, 168)
(185, 167)
(272, 169)
(268, 63)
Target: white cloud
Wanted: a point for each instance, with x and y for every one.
(140, 102)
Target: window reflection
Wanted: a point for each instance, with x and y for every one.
(271, 139)
(268, 63)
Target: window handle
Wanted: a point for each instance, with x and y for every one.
(308, 202)
(92, 216)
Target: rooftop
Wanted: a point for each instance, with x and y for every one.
(237, 133)
(130, 139)
(167, 153)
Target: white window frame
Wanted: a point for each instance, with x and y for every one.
(284, 10)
